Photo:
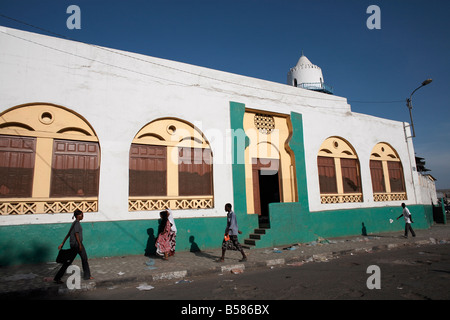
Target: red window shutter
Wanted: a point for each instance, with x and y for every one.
(350, 175)
(377, 175)
(148, 170)
(194, 172)
(396, 176)
(17, 155)
(327, 175)
(75, 169)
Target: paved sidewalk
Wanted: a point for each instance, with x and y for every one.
(19, 281)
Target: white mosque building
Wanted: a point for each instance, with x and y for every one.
(122, 136)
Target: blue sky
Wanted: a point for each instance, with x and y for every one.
(376, 70)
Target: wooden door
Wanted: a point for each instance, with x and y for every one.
(261, 167)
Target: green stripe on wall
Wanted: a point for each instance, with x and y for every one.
(39, 243)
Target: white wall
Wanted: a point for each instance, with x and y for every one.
(428, 193)
(363, 133)
(117, 95)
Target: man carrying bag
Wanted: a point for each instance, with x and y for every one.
(66, 257)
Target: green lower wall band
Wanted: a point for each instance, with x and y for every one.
(39, 243)
(289, 225)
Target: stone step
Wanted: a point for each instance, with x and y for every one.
(250, 242)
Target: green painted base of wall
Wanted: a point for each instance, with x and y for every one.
(289, 225)
(39, 243)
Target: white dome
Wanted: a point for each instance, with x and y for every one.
(304, 72)
(306, 75)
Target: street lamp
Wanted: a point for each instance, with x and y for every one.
(409, 104)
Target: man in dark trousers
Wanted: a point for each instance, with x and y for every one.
(76, 245)
(231, 231)
(408, 220)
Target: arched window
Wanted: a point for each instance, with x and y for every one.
(49, 161)
(386, 171)
(170, 167)
(339, 172)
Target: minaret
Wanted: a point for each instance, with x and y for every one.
(307, 76)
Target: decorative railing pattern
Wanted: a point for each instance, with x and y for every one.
(358, 197)
(22, 206)
(341, 198)
(389, 196)
(175, 203)
(35, 206)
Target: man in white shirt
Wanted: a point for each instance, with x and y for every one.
(408, 220)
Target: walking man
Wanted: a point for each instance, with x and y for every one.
(76, 245)
(408, 220)
(231, 235)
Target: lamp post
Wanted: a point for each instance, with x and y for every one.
(409, 104)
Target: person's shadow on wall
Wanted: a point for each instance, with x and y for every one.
(150, 249)
(194, 246)
(363, 230)
(199, 253)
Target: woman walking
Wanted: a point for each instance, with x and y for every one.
(173, 232)
(162, 244)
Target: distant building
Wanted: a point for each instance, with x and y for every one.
(122, 136)
(443, 193)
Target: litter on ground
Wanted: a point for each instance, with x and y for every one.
(145, 287)
(237, 271)
(183, 281)
(296, 264)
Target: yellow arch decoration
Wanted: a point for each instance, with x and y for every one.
(384, 151)
(337, 147)
(47, 121)
(171, 132)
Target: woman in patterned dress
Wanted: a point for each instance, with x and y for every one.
(172, 233)
(163, 241)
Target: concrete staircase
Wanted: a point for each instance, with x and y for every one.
(254, 237)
